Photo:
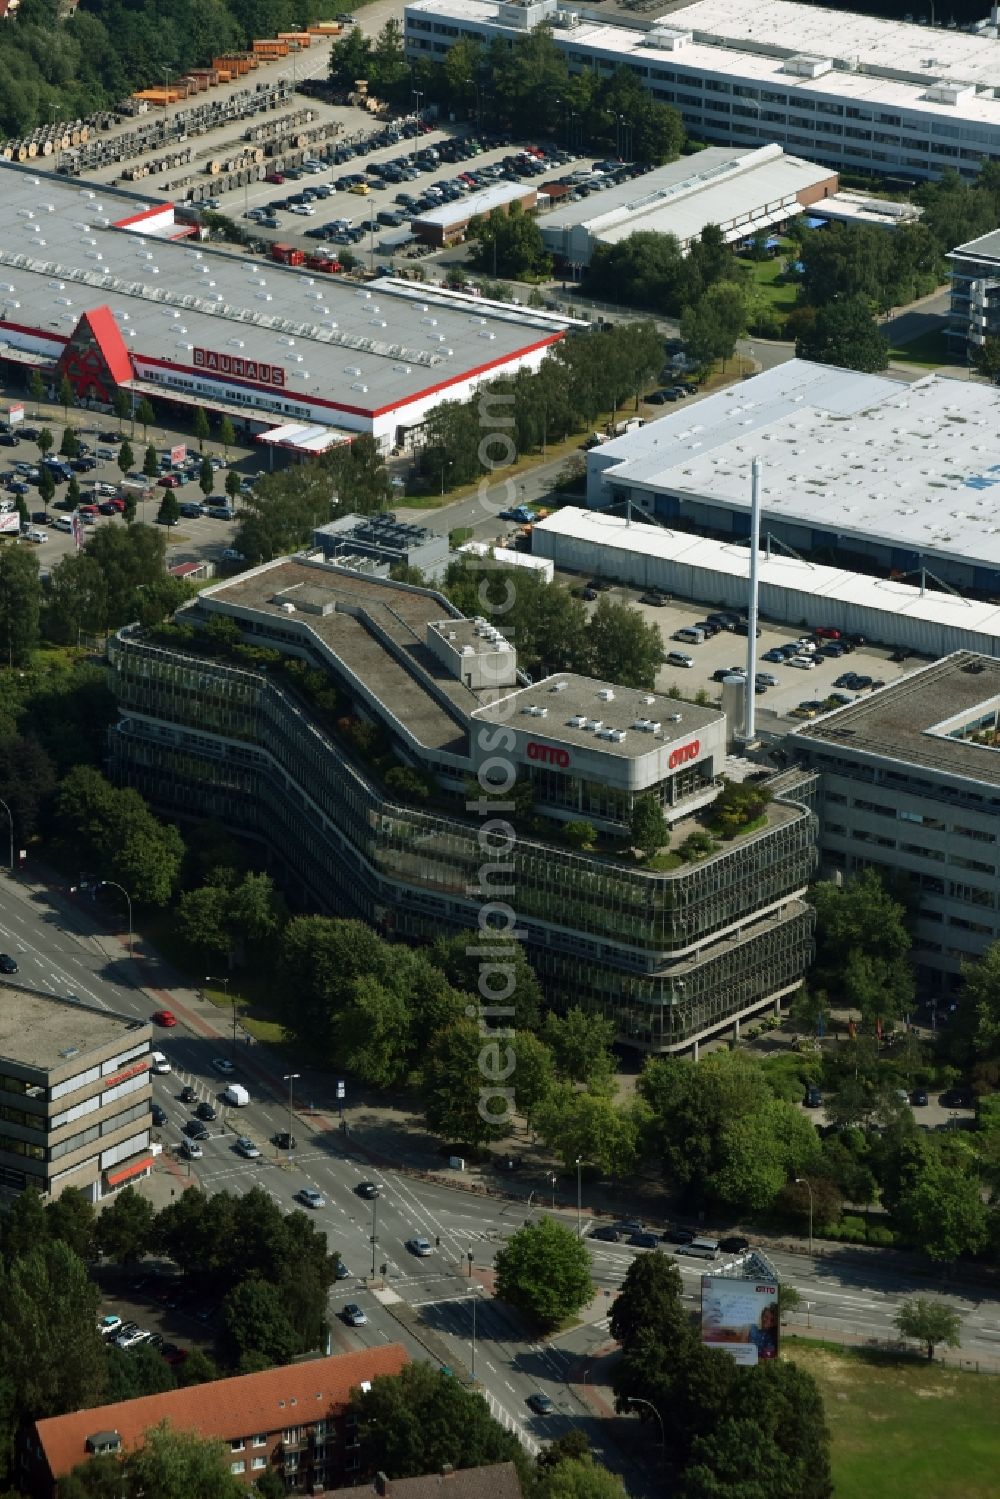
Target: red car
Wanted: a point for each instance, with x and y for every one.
(166, 1018)
(275, 177)
(169, 481)
(826, 632)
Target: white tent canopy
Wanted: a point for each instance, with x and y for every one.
(306, 437)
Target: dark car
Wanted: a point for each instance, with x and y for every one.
(7, 964)
(678, 1235)
(957, 1098)
(541, 1404)
(656, 599)
(195, 1130)
(366, 1189)
(284, 1141)
(601, 584)
(188, 1095)
(734, 1244)
(206, 1111)
(159, 1115)
(814, 1098)
(644, 1240)
(9, 440)
(607, 1234)
(918, 1098)
(589, 594)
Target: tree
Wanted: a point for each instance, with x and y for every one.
(544, 1270)
(70, 1217)
(120, 403)
(206, 477)
(711, 325)
(69, 445)
(463, 1102)
(137, 1371)
(789, 1301)
(253, 1321)
(578, 1478)
(985, 358)
(126, 458)
(227, 435)
(590, 1127)
(283, 509)
(169, 512)
(151, 462)
(74, 494)
(941, 1210)
(113, 833)
(45, 441)
(131, 505)
(46, 487)
(863, 946)
(36, 386)
(647, 824)
(67, 395)
(124, 1229)
(169, 1464)
(423, 1420)
(509, 243)
(145, 416)
(645, 270)
(43, 1289)
(20, 605)
(651, 1300)
(234, 486)
(624, 648)
(581, 1046)
(200, 427)
(846, 334)
(930, 1323)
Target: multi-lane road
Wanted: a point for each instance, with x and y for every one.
(65, 947)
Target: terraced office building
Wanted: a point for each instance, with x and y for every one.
(307, 752)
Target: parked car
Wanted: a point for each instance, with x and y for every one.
(607, 1234)
(653, 598)
(814, 1098)
(644, 1240)
(734, 1244)
(7, 963)
(678, 1235)
(679, 658)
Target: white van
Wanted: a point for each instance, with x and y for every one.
(700, 1249)
(689, 635)
(160, 1063)
(236, 1096)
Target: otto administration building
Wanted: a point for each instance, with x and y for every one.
(670, 954)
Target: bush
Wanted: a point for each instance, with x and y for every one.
(409, 784)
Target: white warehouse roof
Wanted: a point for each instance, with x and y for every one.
(914, 466)
(741, 191)
(717, 572)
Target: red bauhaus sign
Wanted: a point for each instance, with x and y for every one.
(548, 754)
(243, 369)
(685, 753)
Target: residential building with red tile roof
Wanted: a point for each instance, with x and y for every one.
(492, 1481)
(292, 1419)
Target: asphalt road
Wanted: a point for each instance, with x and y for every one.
(69, 948)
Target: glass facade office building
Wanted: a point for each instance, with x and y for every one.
(670, 956)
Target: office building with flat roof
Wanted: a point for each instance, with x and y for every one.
(910, 784)
(75, 1095)
(742, 192)
(670, 953)
(974, 313)
(874, 96)
(857, 470)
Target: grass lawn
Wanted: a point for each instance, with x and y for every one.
(905, 1429)
(929, 350)
(779, 289)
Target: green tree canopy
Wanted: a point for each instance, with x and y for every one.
(929, 1322)
(545, 1271)
(846, 334)
(422, 1419)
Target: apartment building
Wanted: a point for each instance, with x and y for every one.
(293, 1420)
(878, 96)
(670, 954)
(974, 313)
(75, 1094)
(910, 783)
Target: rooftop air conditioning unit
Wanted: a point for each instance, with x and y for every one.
(606, 695)
(577, 721)
(287, 608)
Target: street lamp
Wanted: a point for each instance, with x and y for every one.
(10, 819)
(637, 1400)
(374, 1229)
(115, 885)
(475, 1298)
(800, 1181)
(552, 1180)
(211, 979)
(579, 1197)
(289, 1078)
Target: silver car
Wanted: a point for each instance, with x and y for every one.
(310, 1198)
(246, 1147)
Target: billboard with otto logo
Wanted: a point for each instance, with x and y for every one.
(740, 1317)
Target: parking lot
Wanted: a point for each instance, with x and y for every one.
(792, 685)
(191, 539)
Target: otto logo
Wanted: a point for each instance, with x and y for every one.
(547, 754)
(685, 753)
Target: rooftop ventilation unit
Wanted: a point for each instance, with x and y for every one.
(577, 721)
(558, 686)
(606, 694)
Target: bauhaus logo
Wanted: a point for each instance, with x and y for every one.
(683, 754)
(548, 754)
